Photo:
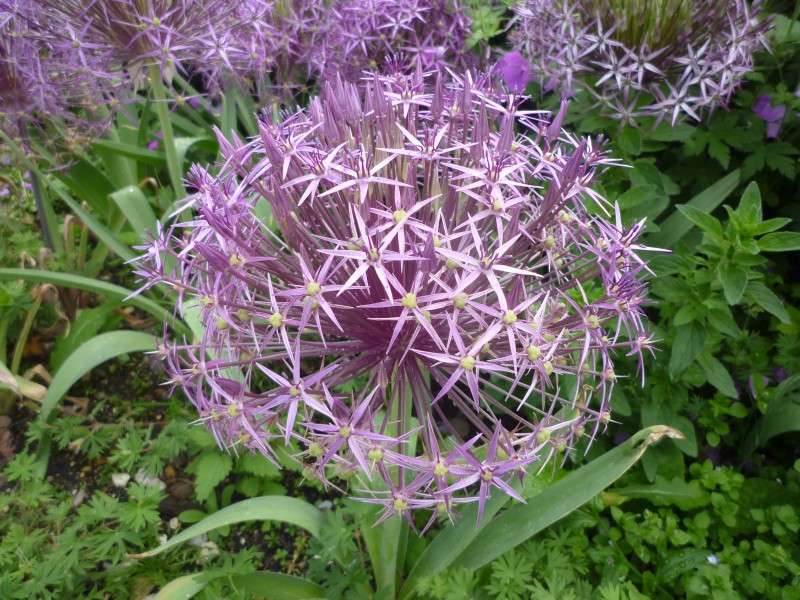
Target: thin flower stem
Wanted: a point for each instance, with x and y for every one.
(170, 149)
(23, 334)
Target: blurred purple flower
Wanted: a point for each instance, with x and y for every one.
(667, 59)
(515, 71)
(426, 254)
(772, 116)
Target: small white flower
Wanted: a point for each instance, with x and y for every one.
(712, 559)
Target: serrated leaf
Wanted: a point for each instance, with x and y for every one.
(766, 299)
(259, 465)
(734, 282)
(720, 152)
(689, 341)
(210, 469)
(717, 374)
(782, 241)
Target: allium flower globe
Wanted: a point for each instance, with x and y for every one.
(436, 309)
(642, 58)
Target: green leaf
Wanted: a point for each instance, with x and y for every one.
(766, 299)
(154, 158)
(680, 562)
(630, 141)
(717, 374)
(184, 587)
(498, 535)
(276, 586)
(677, 225)
(689, 341)
(782, 416)
(667, 491)
(86, 326)
(210, 468)
(136, 208)
(521, 522)
(636, 195)
(782, 241)
(96, 351)
(770, 225)
(267, 508)
(750, 205)
(734, 282)
(86, 284)
(702, 220)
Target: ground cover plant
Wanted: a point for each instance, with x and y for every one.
(399, 299)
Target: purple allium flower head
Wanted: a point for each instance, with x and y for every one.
(425, 258)
(662, 58)
(133, 34)
(772, 115)
(515, 70)
(41, 77)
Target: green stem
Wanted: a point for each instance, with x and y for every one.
(23, 335)
(47, 216)
(162, 110)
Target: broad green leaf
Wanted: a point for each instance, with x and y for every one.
(782, 241)
(136, 208)
(666, 491)
(722, 320)
(636, 195)
(276, 586)
(94, 352)
(677, 225)
(502, 533)
(750, 205)
(521, 522)
(689, 341)
(630, 141)
(267, 508)
(766, 299)
(717, 374)
(67, 280)
(734, 282)
(679, 562)
(155, 158)
(82, 329)
(702, 220)
(184, 144)
(783, 415)
(183, 588)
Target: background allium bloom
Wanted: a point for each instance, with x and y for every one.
(429, 261)
(515, 71)
(133, 34)
(40, 79)
(664, 58)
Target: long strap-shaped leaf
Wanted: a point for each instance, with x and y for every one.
(68, 280)
(517, 524)
(266, 508)
(261, 584)
(96, 351)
